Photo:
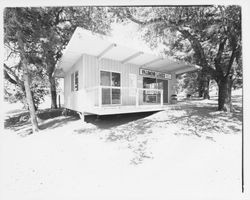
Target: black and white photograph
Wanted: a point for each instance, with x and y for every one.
(124, 100)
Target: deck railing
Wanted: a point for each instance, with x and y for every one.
(127, 96)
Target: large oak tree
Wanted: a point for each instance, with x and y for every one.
(213, 34)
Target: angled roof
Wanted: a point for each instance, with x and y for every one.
(100, 46)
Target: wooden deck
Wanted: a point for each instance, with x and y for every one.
(123, 109)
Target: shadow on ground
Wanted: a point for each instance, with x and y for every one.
(111, 121)
(47, 119)
(189, 118)
(59, 122)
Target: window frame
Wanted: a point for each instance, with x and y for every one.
(111, 87)
(157, 85)
(74, 84)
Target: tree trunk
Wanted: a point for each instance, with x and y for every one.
(52, 91)
(201, 91)
(27, 84)
(225, 91)
(204, 83)
(34, 102)
(30, 99)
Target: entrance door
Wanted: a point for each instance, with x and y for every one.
(154, 83)
(163, 84)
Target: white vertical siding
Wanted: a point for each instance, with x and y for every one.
(90, 65)
(89, 68)
(92, 68)
(91, 79)
(74, 99)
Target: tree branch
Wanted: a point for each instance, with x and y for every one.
(57, 16)
(232, 57)
(196, 45)
(10, 71)
(8, 77)
(220, 51)
(217, 60)
(144, 23)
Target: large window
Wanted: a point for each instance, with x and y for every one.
(151, 96)
(74, 81)
(111, 90)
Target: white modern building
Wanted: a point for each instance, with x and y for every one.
(103, 77)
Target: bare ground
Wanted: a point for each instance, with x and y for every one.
(189, 149)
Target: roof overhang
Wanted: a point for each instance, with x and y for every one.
(100, 46)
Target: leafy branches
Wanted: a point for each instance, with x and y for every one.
(213, 32)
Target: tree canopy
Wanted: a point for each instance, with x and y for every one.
(36, 37)
(49, 31)
(209, 36)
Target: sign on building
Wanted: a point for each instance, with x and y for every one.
(154, 74)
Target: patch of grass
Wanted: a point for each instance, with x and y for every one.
(19, 120)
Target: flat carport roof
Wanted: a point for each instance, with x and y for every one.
(100, 46)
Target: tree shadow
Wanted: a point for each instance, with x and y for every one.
(199, 121)
(21, 124)
(55, 123)
(16, 120)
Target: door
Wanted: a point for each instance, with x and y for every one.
(163, 84)
(150, 96)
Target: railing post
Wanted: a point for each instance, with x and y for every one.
(161, 97)
(137, 97)
(99, 96)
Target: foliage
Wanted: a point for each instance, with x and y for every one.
(47, 31)
(15, 91)
(188, 82)
(208, 36)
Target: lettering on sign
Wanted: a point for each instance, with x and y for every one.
(155, 74)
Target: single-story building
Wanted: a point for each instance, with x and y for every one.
(102, 77)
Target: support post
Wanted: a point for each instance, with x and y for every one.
(99, 96)
(59, 100)
(137, 97)
(82, 116)
(161, 97)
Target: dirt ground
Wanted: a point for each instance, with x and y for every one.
(188, 150)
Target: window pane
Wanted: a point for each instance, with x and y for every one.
(106, 99)
(116, 96)
(116, 79)
(76, 81)
(105, 78)
(72, 82)
(149, 83)
(160, 83)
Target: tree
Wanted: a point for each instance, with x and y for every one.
(21, 37)
(14, 85)
(53, 28)
(213, 33)
(188, 82)
(57, 27)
